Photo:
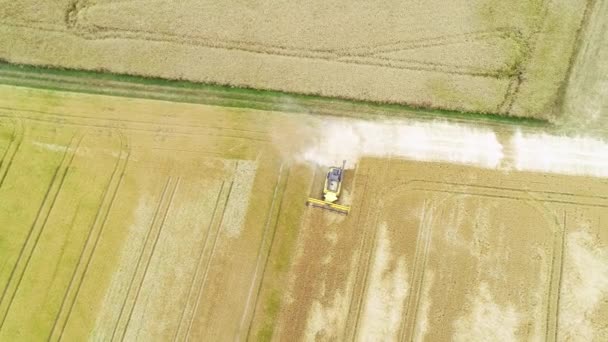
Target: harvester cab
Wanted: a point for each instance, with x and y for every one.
(331, 191)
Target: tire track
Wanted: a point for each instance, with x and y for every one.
(532, 42)
(366, 247)
(147, 130)
(199, 264)
(145, 257)
(11, 151)
(349, 56)
(121, 85)
(263, 256)
(423, 243)
(33, 236)
(208, 264)
(555, 284)
(364, 281)
(8, 148)
(351, 320)
(90, 245)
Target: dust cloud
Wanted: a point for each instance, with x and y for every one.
(560, 154)
(326, 141)
(329, 141)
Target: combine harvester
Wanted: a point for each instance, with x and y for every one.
(331, 192)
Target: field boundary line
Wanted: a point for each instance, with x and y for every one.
(18, 135)
(209, 261)
(88, 82)
(260, 265)
(44, 211)
(199, 263)
(88, 250)
(147, 246)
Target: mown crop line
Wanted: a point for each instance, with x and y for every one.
(199, 261)
(36, 229)
(208, 264)
(262, 258)
(149, 259)
(99, 222)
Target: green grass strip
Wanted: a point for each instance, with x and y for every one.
(92, 82)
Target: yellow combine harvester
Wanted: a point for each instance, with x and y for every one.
(331, 191)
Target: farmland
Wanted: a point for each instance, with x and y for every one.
(153, 180)
(486, 56)
(133, 219)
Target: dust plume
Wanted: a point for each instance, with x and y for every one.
(328, 141)
(560, 154)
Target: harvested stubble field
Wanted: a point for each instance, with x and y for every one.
(131, 219)
(488, 56)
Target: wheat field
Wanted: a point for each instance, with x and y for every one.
(484, 56)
